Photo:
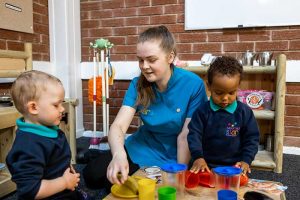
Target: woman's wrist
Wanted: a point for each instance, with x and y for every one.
(119, 153)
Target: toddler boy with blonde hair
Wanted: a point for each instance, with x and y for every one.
(39, 159)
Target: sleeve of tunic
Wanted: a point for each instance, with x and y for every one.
(197, 98)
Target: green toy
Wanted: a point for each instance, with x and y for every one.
(101, 44)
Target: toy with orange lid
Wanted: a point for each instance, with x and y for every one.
(98, 86)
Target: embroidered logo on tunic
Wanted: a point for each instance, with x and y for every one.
(144, 111)
(232, 129)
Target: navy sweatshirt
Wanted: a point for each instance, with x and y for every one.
(223, 138)
(38, 153)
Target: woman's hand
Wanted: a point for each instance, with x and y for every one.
(199, 165)
(118, 164)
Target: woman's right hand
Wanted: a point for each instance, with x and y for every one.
(118, 164)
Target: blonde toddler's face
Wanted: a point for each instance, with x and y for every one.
(49, 105)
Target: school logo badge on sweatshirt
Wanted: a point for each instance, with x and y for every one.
(232, 130)
(144, 111)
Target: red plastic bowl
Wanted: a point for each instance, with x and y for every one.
(206, 179)
(191, 179)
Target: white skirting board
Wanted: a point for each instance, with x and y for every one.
(291, 150)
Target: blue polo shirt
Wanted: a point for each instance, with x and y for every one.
(155, 142)
(223, 136)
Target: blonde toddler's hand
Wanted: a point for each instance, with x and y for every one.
(71, 179)
(199, 165)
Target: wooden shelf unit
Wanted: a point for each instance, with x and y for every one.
(8, 118)
(13, 63)
(271, 78)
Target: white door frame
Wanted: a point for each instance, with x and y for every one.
(65, 50)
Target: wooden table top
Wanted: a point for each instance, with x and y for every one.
(197, 193)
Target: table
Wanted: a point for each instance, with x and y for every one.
(198, 193)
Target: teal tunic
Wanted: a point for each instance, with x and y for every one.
(155, 142)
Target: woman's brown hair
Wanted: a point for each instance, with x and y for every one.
(167, 44)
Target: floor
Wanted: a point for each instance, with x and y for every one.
(290, 176)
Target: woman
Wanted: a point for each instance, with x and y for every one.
(165, 98)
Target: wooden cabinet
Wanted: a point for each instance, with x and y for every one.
(68, 125)
(8, 116)
(271, 78)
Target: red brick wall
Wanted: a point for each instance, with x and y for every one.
(121, 21)
(292, 117)
(12, 40)
(116, 94)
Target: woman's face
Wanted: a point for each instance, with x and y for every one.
(154, 62)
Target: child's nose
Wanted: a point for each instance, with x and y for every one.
(225, 98)
(62, 109)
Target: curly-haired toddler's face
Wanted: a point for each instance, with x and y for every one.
(224, 89)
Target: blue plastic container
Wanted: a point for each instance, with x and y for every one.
(174, 175)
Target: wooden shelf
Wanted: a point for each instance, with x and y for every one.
(264, 114)
(8, 116)
(6, 185)
(4, 176)
(247, 69)
(264, 160)
(13, 63)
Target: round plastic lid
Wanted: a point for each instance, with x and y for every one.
(227, 171)
(227, 195)
(173, 168)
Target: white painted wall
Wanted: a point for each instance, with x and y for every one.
(65, 50)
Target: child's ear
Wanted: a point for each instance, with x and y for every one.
(32, 107)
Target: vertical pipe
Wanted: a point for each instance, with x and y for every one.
(107, 114)
(94, 94)
(107, 90)
(103, 93)
(106, 74)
